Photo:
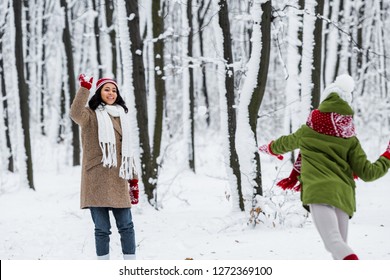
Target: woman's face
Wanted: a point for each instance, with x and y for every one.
(108, 93)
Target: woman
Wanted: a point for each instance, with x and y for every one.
(108, 166)
(330, 156)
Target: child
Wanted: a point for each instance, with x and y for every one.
(330, 156)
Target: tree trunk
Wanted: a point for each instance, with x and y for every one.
(203, 90)
(326, 41)
(384, 57)
(97, 37)
(159, 81)
(28, 32)
(66, 37)
(110, 22)
(191, 153)
(317, 56)
(262, 75)
(336, 72)
(61, 126)
(301, 5)
(140, 98)
(229, 85)
(42, 92)
(23, 90)
(294, 66)
(359, 38)
(43, 84)
(5, 107)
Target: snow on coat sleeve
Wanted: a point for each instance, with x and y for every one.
(78, 112)
(363, 168)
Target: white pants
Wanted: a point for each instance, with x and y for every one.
(332, 224)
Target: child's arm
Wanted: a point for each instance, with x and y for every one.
(282, 145)
(366, 170)
(287, 143)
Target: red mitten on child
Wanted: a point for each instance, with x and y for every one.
(387, 152)
(267, 149)
(134, 191)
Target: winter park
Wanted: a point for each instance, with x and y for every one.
(213, 130)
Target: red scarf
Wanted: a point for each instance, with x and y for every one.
(332, 124)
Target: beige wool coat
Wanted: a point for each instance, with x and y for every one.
(100, 186)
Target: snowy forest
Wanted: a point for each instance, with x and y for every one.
(192, 72)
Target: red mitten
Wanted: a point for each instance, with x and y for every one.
(290, 183)
(134, 191)
(267, 149)
(84, 83)
(387, 152)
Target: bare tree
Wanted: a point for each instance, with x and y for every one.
(233, 163)
(159, 81)
(201, 15)
(191, 102)
(110, 23)
(294, 68)
(382, 47)
(43, 81)
(66, 37)
(258, 93)
(359, 36)
(339, 18)
(23, 90)
(97, 37)
(308, 44)
(27, 25)
(140, 98)
(5, 103)
(251, 97)
(317, 55)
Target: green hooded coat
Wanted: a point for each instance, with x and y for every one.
(329, 162)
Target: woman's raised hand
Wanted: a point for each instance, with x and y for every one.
(84, 83)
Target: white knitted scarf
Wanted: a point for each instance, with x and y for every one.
(107, 140)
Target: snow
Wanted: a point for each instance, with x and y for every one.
(195, 219)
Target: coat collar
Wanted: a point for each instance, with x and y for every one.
(117, 124)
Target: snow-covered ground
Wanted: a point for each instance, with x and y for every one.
(195, 220)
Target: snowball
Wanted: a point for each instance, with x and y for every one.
(202, 110)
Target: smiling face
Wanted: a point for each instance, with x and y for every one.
(109, 93)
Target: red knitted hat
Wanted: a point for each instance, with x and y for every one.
(103, 81)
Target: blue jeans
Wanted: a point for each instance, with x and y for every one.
(124, 223)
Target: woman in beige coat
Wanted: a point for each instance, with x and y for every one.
(107, 163)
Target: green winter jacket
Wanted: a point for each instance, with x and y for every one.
(329, 162)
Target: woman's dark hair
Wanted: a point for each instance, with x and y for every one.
(97, 100)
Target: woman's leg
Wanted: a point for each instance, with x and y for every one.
(125, 226)
(332, 224)
(101, 219)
